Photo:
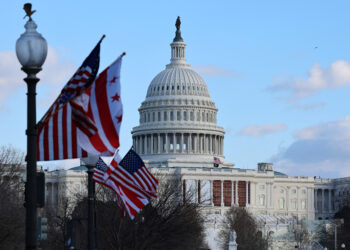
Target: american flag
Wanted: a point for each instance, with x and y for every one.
(133, 166)
(130, 180)
(101, 176)
(217, 160)
(57, 133)
(101, 105)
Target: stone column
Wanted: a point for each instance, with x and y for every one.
(158, 143)
(182, 143)
(236, 193)
(146, 142)
(315, 203)
(287, 199)
(211, 193)
(298, 199)
(166, 143)
(246, 193)
(323, 200)
(222, 145)
(255, 188)
(232, 193)
(209, 142)
(152, 144)
(198, 144)
(329, 201)
(222, 193)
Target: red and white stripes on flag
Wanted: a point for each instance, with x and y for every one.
(57, 133)
(130, 180)
(102, 105)
(57, 138)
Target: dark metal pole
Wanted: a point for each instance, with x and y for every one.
(91, 208)
(30, 186)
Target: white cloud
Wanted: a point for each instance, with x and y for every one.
(307, 107)
(211, 70)
(337, 75)
(323, 150)
(54, 75)
(262, 130)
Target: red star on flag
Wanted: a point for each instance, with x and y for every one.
(114, 79)
(119, 118)
(116, 97)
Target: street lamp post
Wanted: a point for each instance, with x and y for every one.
(90, 163)
(31, 50)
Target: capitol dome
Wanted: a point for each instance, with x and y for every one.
(178, 118)
(175, 80)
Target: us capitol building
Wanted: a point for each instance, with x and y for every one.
(178, 134)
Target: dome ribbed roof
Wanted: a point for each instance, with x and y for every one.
(177, 81)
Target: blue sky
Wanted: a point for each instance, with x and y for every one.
(279, 71)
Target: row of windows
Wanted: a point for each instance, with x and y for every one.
(178, 116)
(281, 203)
(155, 90)
(179, 101)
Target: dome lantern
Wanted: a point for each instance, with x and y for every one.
(177, 47)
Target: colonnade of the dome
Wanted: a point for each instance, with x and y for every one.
(179, 143)
(178, 114)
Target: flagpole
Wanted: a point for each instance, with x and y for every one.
(90, 163)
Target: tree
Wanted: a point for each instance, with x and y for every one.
(12, 211)
(248, 235)
(169, 222)
(342, 220)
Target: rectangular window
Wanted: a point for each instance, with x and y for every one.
(159, 116)
(227, 193)
(178, 142)
(163, 142)
(165, 116)
(178, 115)
(205, 192)
(171, 142)
(281, 203)
(192, 116)
(303, 204)
(153, 117)
(185, 142)
(262, 200)
(171, 116)
(155, 144)
(217, 193)
(185, 115)
(191, 190)
(242, 193)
